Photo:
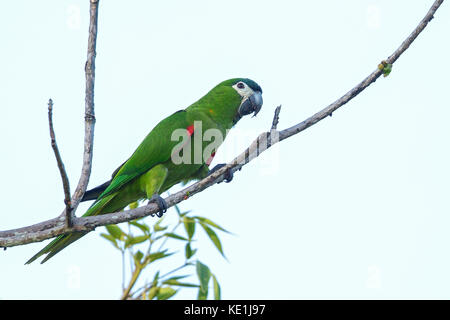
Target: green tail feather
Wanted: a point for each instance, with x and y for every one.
(56, 246)
(64, 240)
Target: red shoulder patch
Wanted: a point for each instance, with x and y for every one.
(190, 130)
(210, 159)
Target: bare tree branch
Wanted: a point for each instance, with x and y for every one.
(265, 140)
(89, 114)
(62, 170)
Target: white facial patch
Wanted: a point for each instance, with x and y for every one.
(243, 89)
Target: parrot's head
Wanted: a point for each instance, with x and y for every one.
(230, 100)
(250, 97)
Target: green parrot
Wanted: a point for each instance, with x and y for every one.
(162, 160)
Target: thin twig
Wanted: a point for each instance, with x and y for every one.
(276, 118)
(54, 227)
(134, 277)
(62, 170)
(89, 114)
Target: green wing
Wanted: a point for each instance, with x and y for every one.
(156, 148)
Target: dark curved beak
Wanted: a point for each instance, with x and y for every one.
(251, 104)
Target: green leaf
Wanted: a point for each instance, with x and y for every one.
(211, 223)
(152, 292)
(184, 213)
(135, 240)
(188, 251)
(216, 288)
(177, 209)
(144, 228)
(175, 282)
(214, 238)
(133, 205)
(115, 231)
(385, 67)
(165, 293)
(138, 257)
(110, 238)
(181, 214)
(175, 236)
(387, 70)
(154, 288)
(155, 279)
(202, 294)
(159, 255)
(189, 226)
(178, 277)
(157, 227)
(204, 274)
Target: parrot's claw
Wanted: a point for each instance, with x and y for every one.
(228, 174)
(156, 198)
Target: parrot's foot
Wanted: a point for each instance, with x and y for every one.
(156, 198)
(228, 174)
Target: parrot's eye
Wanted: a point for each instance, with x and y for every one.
(240, 85)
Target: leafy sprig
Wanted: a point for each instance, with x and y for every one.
(146, 246)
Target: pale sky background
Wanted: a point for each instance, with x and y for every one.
(355, 207)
